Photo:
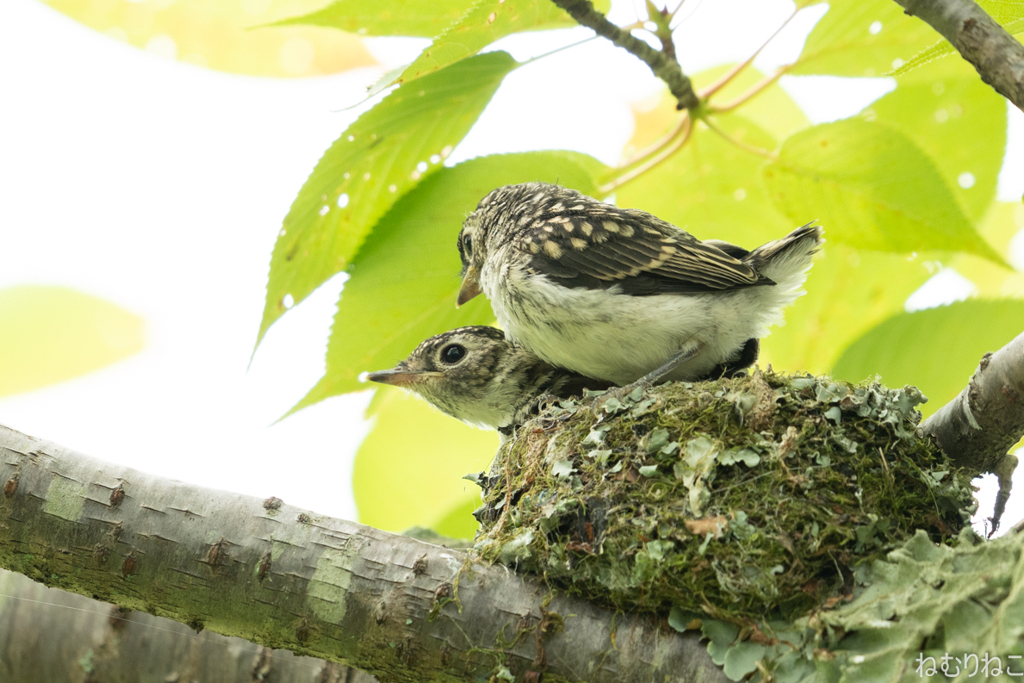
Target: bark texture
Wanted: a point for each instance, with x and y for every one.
(49, 635)
(288, 578)
(994, 53)
(979, 426)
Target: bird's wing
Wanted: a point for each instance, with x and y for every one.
(598, 245)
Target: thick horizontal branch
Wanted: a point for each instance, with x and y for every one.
(663, 65)
(288, 578)
(979, 426)
(994, 53)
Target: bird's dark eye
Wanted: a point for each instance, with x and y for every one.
(467, 245)
(453, 353)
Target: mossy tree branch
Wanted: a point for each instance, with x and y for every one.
(994, 53)
(287, 578)
(662, 64)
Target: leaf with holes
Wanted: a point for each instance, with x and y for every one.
(872, 188)
(942, 108)
(384, 153)
(936, 349)
(406, 277)
(862, 38)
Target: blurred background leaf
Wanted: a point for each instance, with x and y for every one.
(862, 38)
(418, 18)
(936, 349)
(52, 334)
(408, 472)
(873, 188)
(220, 34)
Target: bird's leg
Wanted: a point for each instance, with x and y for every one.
(654, 376)
(658, 374)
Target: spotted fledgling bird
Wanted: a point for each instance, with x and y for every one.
(619, 294)
(476, 375)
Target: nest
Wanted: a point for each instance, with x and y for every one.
(739, 498)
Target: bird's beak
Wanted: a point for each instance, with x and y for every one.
(400, 378)
(470, 286)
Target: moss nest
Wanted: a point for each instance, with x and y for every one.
(738, 497)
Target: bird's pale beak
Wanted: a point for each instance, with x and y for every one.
(400, 378)
(470, 286)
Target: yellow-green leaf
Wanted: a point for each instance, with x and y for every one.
(872, 188)
(1001, 224)
(383, 154)
(408, 472)
(848, 292)
(943, 109)
(862, 38)
(936, 349)
(406, 277)
(485, 22)
(55, 333)
(216, 34)
(713, 188)
(419, 18)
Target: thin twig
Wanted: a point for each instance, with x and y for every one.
(647, 165)
(655, 147)
(754, 90)
(664, 68)
(731, 73)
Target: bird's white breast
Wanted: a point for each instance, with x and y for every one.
(606, 334)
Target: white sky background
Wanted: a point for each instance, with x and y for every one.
(161, 186)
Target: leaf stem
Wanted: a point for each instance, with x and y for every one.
(754, 90)
(681, 135)
(732, 73)
(739, 143)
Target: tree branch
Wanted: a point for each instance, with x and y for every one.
(978, 427)
(287, 578)
(995, 54)
(664, 67)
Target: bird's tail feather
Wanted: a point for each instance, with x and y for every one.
(787, 259)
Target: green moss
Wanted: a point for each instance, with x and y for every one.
(736, 497)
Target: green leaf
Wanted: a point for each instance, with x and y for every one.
(936, 349)
(862, 38)
(713, 188)
(942, 109)
(872, 188)
(52, 334)
(1008, 13)
(384, 153)
(848, 293)
(406, 277)
(420, 18)
(459, 521)
(1001, 224)
(408, 470)
(485, 22)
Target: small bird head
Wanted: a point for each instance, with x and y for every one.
(489, 226)
(471, 373)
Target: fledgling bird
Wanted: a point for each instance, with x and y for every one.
(619, 294)
(476, 375)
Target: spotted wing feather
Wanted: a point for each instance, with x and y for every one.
(585, 243)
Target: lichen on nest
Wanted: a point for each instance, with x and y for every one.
(738, 497)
